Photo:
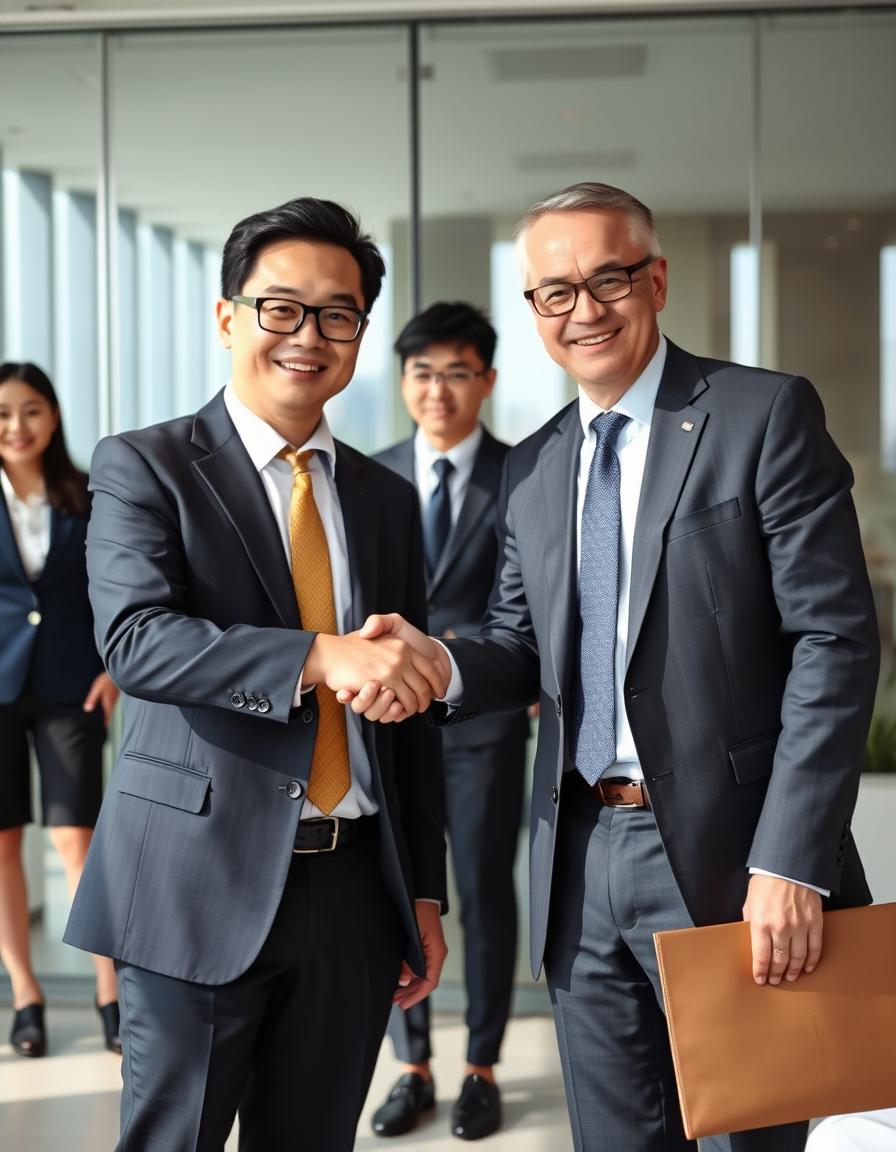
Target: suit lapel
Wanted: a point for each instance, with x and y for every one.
(360, 516)
(8, 547)
(559, 465)
(479, 497)
(231, 478)
(674, 435)
(60, 531)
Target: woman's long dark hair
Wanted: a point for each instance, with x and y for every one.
(66, 485)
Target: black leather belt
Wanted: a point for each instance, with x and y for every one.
(330, 833)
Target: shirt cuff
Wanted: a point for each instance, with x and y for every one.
(300, 691)
(802, 883)
(455, 692)
(427, 900)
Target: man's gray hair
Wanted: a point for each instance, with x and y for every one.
(600, 197)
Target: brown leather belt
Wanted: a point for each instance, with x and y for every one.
(618, 793)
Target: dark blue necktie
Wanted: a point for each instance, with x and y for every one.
(593, 731)
(437, 517)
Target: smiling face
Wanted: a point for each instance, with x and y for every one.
(27, 423)
(443, 388)
(604, 347)
(287, 378)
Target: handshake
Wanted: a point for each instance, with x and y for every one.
(386, 671)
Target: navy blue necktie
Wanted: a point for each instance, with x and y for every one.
(437, 517)
(593, 730)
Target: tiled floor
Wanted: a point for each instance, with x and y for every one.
(69, 1099)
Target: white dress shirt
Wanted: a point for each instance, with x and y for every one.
(30, 526)
(462, 456)
(631, 447)
(263, 444)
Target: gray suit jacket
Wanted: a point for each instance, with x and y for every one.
(753, 650)
(197, 621)
(457, 592)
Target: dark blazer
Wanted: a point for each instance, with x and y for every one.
(197, 621)
(752, 652)
(46, 627)
(457, 592)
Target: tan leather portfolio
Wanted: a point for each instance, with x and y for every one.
(749, 1056)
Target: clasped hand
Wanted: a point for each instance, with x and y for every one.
(387, 671)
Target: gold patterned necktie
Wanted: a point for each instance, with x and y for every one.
(313, 581)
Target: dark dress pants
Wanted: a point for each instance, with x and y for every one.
(292, 1042)
(483, 803)
(612, 889)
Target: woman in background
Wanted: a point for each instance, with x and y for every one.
(52, 684)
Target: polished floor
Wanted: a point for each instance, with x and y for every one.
(69, 1099)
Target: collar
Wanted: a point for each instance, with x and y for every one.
(461, 454)
(263, 443)
(11, 498)
(638, 401)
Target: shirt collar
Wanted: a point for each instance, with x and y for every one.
(461, 454)
(13, 500)
(264, 443)
(638, 401)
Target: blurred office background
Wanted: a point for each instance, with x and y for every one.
(132, 140)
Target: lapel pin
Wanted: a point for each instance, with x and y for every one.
(688, 425)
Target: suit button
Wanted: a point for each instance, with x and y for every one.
(558, 704)
(238, 700)
(251, 702)
(264, 705)
(294, 790)
(555, 795)
(34, 618)
(307, 716)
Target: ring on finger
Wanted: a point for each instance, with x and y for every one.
(780, 953)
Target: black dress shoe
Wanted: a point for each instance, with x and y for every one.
(111, 1026)
(404, 1104)
(477, 1111)
(28, 1036)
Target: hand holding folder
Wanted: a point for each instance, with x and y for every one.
(751, 1056)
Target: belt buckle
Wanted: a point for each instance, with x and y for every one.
(332, 844)
(620, 803)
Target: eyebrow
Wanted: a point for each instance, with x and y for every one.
(334, 298)
(608, 266)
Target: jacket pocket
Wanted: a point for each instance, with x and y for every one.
(753, 759)
(161, 782)
(703, 518)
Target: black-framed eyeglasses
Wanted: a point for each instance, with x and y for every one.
(457, 376)
(606, 287)
(337, 322)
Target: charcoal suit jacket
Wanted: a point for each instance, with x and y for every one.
(753, 651)
(197, 621)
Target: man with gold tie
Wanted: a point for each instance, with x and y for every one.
(268, 869)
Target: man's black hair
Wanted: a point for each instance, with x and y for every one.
(444, 323)
(318, 221)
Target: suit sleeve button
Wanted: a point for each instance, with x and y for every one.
(251, 702)
(238, 700)
(555, 795)
(264, 705)
(294, 790)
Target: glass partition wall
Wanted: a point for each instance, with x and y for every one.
(764, 145)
